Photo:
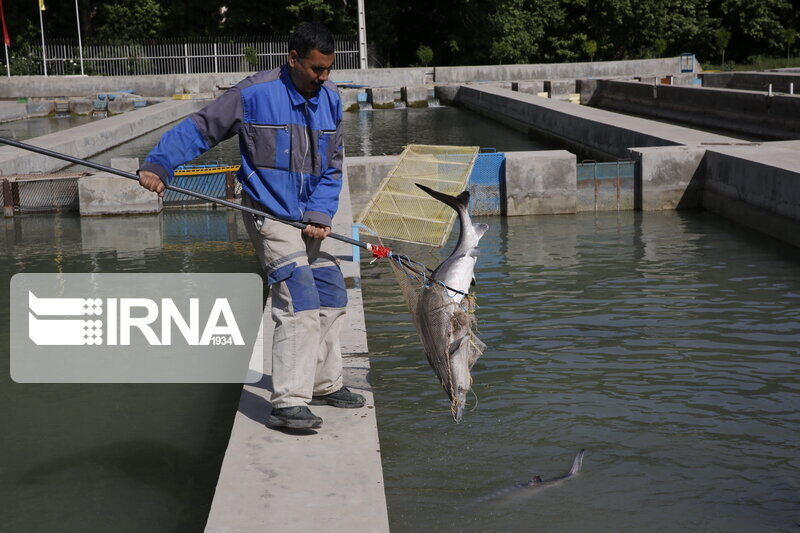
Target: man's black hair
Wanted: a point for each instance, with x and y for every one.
(311, 36)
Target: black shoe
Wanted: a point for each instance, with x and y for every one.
(341, 398)
(294, 418)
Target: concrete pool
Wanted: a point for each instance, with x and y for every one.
(663, 343)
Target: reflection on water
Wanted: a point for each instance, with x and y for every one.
(666, 344)
(371, 133)
(21, 130)
(114, 457)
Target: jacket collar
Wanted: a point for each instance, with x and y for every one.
(294, 95)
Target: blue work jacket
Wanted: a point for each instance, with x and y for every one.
(291, 147)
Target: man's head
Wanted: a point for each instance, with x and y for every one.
(311, 56)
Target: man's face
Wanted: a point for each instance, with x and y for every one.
(310, 72)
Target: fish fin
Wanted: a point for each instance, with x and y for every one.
(577, 463)
(480, 229)
(456, 202)
(454, 347)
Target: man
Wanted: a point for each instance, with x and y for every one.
(289, 125)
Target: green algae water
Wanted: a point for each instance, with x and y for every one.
(665, 344)
(114, 457)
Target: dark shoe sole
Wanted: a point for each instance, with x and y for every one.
(293, 424)
(337, 403)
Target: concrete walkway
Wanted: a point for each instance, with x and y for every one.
(97, 136)
(605, 133)
(329, 480)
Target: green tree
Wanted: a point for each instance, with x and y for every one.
(424, 55)
(659, 47)
(790, 36)
(722, 37)
(125, 20)
(590, 47)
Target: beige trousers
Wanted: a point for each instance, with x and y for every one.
(308, 306)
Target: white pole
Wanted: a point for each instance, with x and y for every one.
(362, 35)
(44, 53)
(8, 64)
(186, 55)
(791, 85)
(770, 89)
(80, 44)
(216, 60)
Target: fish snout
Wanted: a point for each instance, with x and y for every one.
(458, 404)
(458, 413)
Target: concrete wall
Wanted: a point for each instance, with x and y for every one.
(553, 71)
(668, 177)
(746, 112)
(593, 132)
(364, 174)
(756, 186)
(165, 85)
(108, 194)
(415, 96)
(89, 139)
(12, 111)
(381, 97)
(536, 182)
(752, 81)
(540, 183)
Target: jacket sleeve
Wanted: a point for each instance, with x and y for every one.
(199, 132)
(324, 201)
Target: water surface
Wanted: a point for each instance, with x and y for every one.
(114, 457)
(666, 344)
(21, 130)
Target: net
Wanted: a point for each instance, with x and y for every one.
(401, 211)
(446, 326)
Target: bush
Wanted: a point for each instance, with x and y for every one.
(424, 55)
(250, 55)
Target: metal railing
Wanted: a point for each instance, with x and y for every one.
(176, 56)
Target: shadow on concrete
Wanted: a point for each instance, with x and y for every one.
(258, 409)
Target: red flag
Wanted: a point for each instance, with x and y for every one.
(6, 38)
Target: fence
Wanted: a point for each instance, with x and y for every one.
(605, 186)
(35, 193)
(486, 184)
(175, 56)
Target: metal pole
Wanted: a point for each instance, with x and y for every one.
(80, 43)
(362, 35)
(44, 53)
(8, 63)
(216, 60)
(378, 251)
(186, 55)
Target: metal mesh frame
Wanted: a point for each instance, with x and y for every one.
(401, 211)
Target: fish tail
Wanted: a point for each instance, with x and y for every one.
(577, 463)
(459, 203)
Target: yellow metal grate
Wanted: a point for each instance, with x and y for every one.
(401, 211)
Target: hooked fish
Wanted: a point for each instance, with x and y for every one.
(445, 318)
(536, 482)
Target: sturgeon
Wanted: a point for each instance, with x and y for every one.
(444, 319)
(536, 482)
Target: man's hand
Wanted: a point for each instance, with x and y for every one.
(151, 182)
(317, 231)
